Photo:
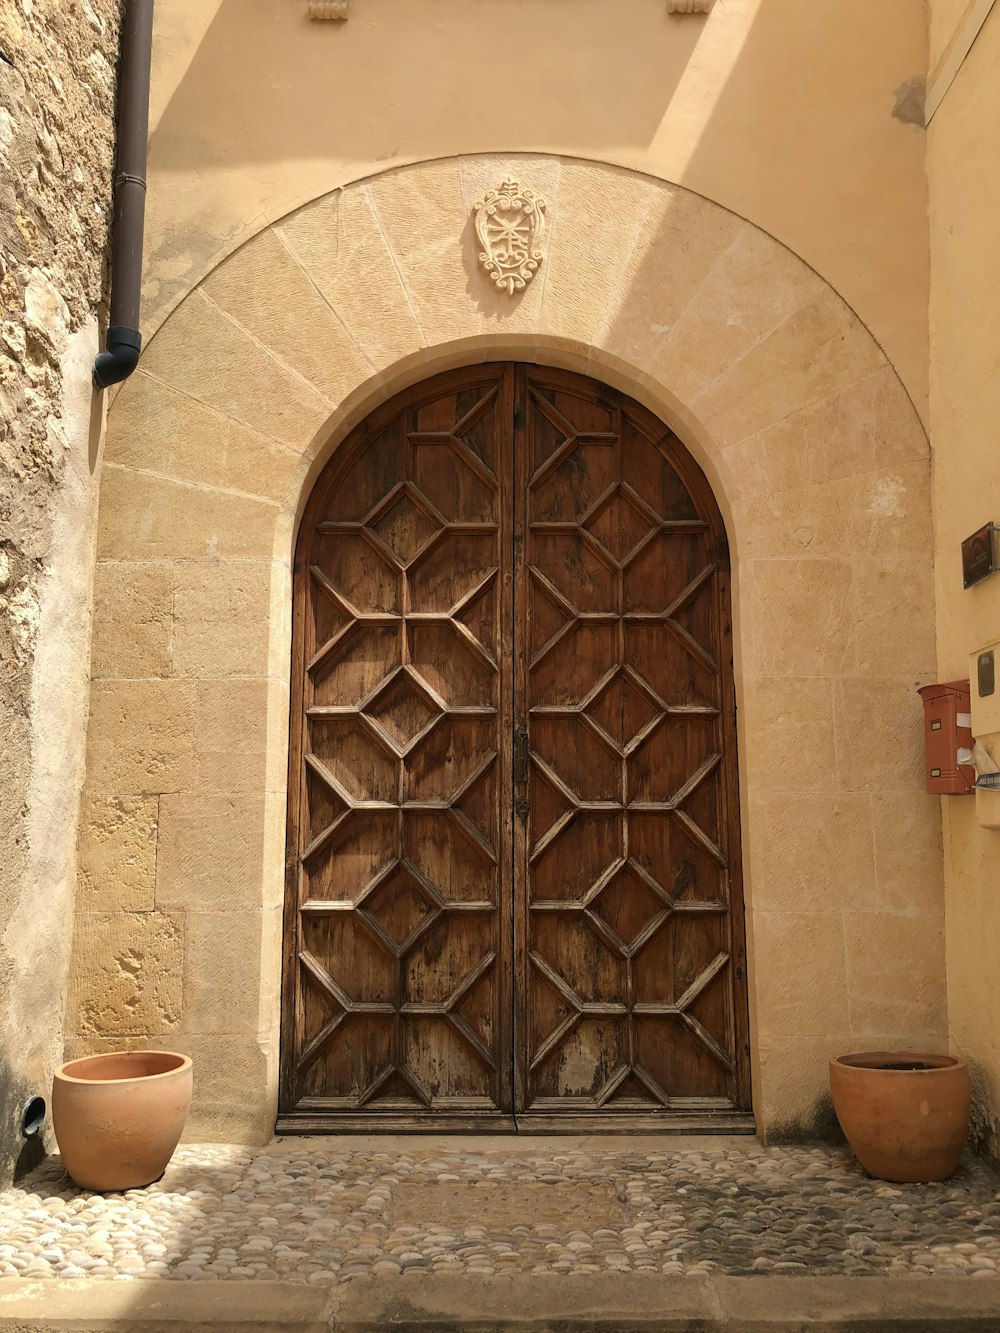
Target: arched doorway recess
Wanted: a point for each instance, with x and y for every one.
(818, 462)
(514, 879)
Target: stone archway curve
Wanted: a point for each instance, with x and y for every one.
(820, 467)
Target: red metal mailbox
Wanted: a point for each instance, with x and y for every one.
(948, 738)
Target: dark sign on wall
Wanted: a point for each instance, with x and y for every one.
(980, 554)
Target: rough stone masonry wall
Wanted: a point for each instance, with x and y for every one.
(57, 93)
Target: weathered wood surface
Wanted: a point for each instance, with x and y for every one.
(513, 858)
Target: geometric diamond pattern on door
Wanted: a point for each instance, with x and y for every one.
(513, 871)
(633, 996)
(401, 939)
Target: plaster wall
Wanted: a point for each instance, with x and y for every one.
(820, 466)
(805, 118)
(965, 401)
(56, 104)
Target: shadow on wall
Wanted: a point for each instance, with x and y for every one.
(797, 117)
(19, 1154)
(843, 184)
(822, 1126)
(595, 96)
(398, 82)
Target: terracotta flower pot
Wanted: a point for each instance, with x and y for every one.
(905, 1114)
(118, 1118)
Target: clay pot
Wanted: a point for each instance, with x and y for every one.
(118, 1118)
(905, 1114)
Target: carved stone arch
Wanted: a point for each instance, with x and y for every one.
(819, 465)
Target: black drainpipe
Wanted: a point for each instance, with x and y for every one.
(124, 340)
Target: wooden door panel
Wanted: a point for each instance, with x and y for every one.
(504, 552)
(398, 978)
(629, 937)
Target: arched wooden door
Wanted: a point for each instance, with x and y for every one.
(514, 888)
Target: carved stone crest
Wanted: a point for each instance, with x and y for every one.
(510, 224)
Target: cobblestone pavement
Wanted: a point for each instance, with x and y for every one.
(323, 1211)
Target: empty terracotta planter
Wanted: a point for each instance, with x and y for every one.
(118, 1118)
(905, 1114)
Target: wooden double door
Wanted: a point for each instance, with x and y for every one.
(513, 891)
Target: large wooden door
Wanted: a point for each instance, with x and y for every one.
(513, 845)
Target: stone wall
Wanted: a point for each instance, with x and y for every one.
(820, 467)
(57, 90)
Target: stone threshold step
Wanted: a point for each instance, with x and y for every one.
(615, 1303)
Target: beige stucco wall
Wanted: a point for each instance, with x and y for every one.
(803, 116)
(821, 468)
(965, 401)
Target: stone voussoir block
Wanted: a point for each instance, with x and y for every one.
(128, 977)
(117, 853)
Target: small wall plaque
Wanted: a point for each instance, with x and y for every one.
(981, 554)
(986, 673)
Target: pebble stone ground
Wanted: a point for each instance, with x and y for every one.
(320, 1211)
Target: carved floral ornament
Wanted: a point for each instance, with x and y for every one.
(338, 9)
(510, 224)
